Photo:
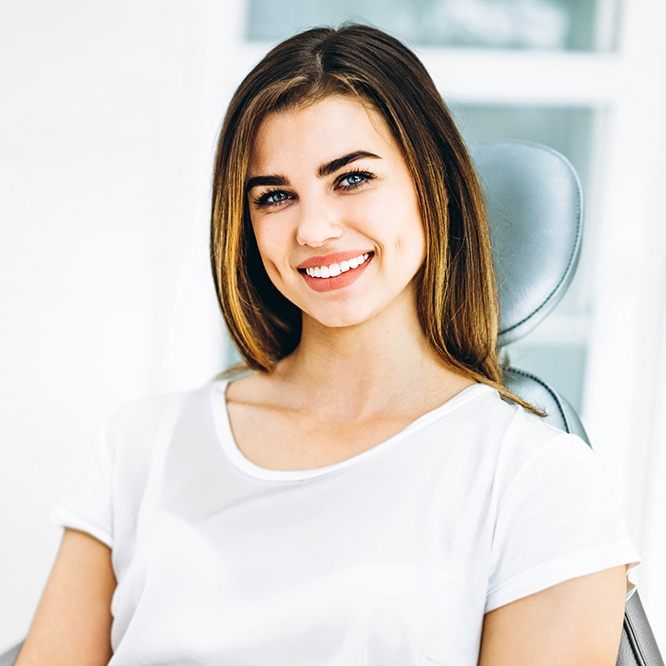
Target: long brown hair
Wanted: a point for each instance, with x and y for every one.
(458, 303)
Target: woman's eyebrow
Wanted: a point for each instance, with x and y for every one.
(324, 170)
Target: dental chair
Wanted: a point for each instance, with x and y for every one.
(534, 205)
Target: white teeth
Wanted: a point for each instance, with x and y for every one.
(336, 269)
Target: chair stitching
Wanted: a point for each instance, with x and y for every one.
(579, 208)
(552, 394)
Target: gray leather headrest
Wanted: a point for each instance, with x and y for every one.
(535, 212)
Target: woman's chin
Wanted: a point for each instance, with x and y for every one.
(337, 319)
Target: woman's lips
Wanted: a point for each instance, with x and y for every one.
(339, 281)
(334, 258)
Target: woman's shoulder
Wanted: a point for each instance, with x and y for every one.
(134, 429)
(144, 409)
(529, 438)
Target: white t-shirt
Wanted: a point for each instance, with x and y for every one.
(389, 558)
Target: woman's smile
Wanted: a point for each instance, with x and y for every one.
(336, 276)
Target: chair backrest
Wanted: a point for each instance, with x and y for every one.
(535, 211)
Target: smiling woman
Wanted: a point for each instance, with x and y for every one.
(365, 495)
(314, 106)
(370, 211)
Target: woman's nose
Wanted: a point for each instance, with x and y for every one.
(317, 222)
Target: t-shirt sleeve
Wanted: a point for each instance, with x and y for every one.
(85, 499)
(557, 520)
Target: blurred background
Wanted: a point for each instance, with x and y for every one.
(107, 131)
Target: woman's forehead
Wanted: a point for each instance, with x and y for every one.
(333, 126)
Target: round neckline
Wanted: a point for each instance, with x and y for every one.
(237, 457)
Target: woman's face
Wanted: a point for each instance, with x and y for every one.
(325, 179)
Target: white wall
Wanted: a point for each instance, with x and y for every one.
(104, 272)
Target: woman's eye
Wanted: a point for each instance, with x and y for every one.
(271, 198)
(355, 178)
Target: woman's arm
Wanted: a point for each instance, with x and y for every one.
(575, 623)
(72, 624)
